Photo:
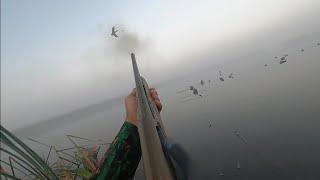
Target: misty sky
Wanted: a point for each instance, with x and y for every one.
(57, 56)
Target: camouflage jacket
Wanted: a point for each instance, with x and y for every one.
(123, 156)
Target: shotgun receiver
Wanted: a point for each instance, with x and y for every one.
(156, 163)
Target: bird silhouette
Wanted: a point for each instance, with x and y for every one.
(114, 31)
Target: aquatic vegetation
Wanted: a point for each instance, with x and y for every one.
(18, 161)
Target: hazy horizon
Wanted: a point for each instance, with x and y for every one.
(58, 57)
(63, 73)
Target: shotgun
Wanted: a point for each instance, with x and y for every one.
(156, 164)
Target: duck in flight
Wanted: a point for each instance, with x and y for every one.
(114, 31)
(221, 78)
(202, 82)
(283, 59)
(231, 76)
(195, 92)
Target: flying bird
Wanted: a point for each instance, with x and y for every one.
(195, 92)
(221, 78)
(114, 31)
(283, 59)
(202, 83)
(231, 76)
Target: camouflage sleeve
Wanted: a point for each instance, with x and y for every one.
(123, 156)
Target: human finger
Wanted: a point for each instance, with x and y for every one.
(154, 94)
(156, 99)
(133, 92)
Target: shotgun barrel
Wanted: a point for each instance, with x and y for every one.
(151, 132)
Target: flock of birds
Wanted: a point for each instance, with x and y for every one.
(194, 93)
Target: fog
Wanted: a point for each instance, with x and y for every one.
(63, 73)
(46, 72)
(274, 108)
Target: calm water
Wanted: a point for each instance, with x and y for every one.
(275, 109)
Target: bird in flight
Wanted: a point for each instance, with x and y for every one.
(202, 83)
(113, 33)
(283, 59)
(221, 78)
(231, 76)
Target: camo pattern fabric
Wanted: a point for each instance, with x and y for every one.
(123, 156)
